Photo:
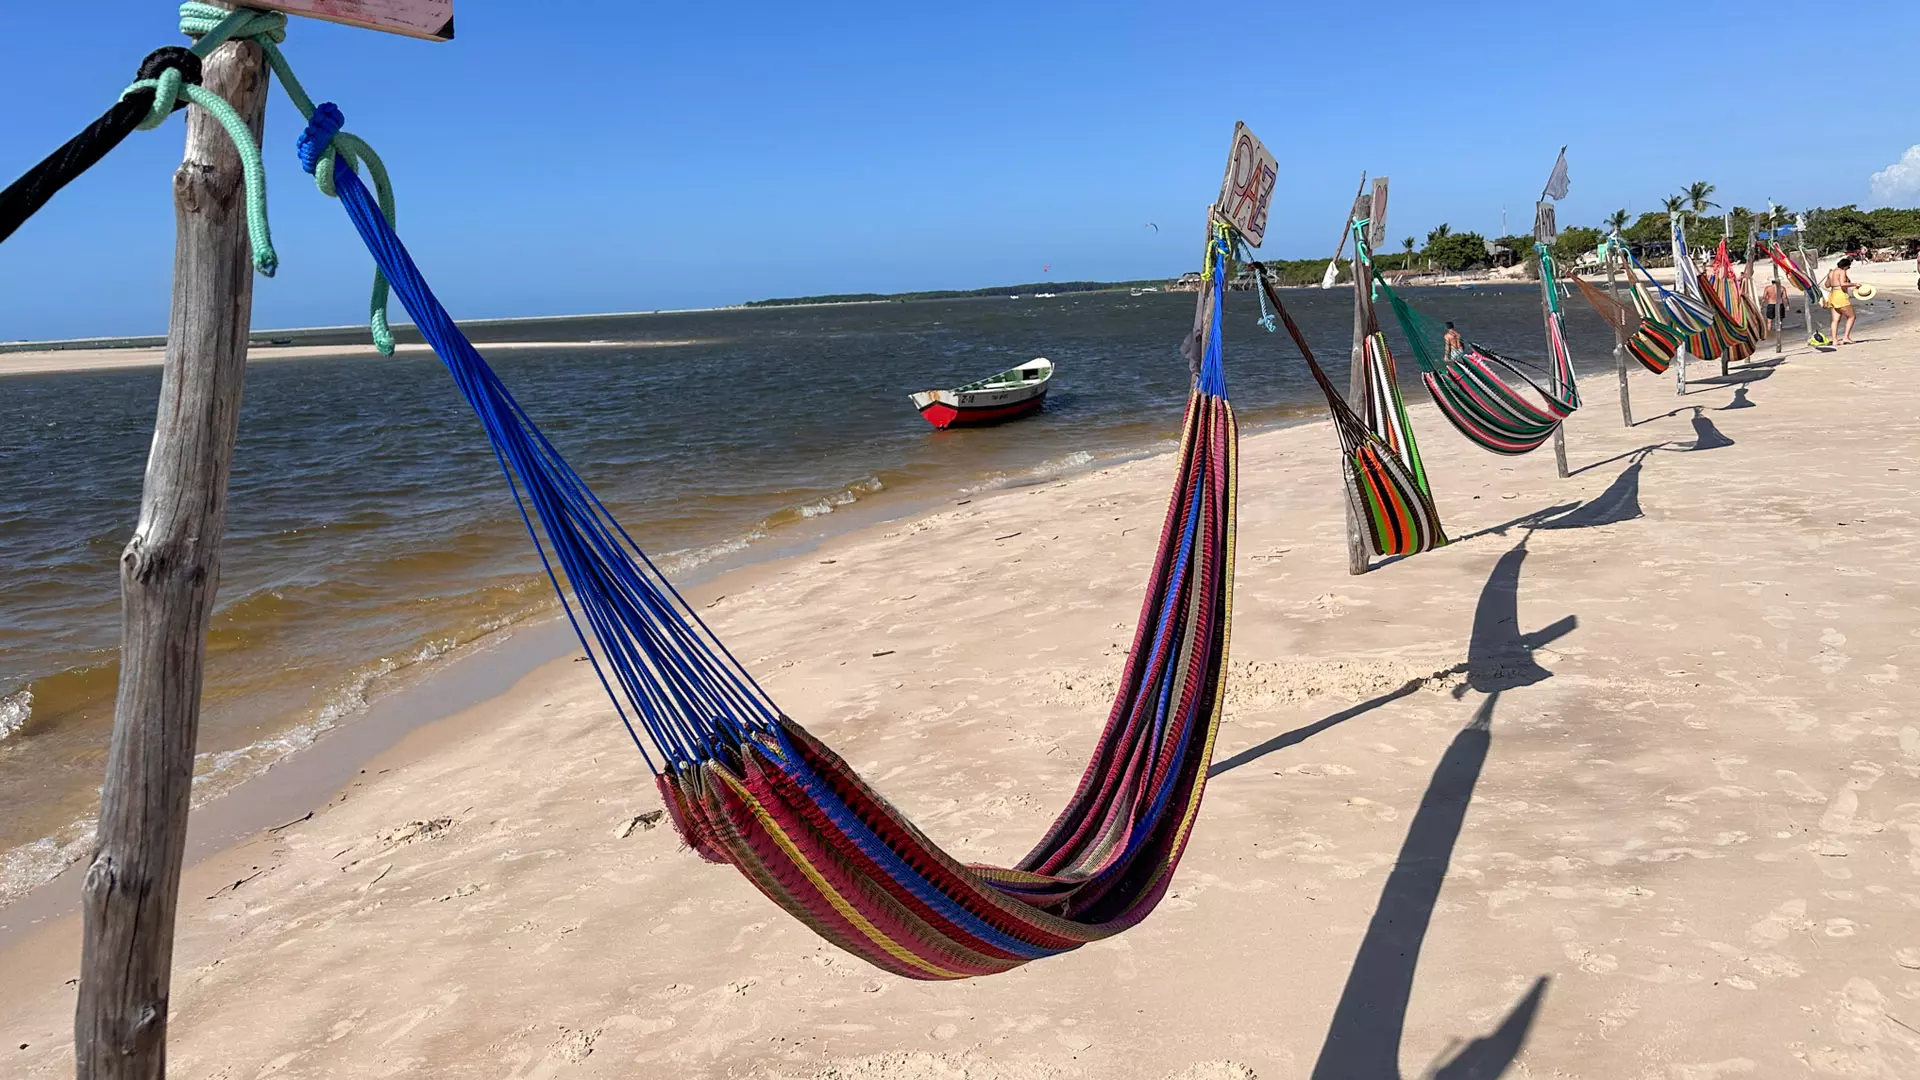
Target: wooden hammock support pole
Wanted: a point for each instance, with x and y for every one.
(1680, 355)
(1811, 267)
(1543, 234)
(1356, 380)
(1746, 285)
(168, 574)
(1779, 289)
(1619, 343)
(1726, 233)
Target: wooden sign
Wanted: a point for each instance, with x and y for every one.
(1377, 213)
(1544, 229)
(1247, 191)
(429, 19)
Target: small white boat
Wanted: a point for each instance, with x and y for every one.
(1011, 394)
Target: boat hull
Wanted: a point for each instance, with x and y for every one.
(943, 415)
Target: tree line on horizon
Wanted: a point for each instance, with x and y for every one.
(1841, 228)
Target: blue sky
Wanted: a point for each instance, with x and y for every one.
(632, 156)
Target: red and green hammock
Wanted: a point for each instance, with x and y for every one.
(1801, 279)
(1477, 388)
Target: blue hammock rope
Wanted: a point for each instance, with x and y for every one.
(688, 693)
(749, 787)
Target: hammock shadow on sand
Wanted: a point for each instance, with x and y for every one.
(1363, 1040)
(1499, 657)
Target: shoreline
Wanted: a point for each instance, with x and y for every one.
(1280, 529)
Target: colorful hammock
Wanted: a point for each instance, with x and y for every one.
(1728, 297)
(748, 786)
(1475, 388)
(1651, 342)
(1702, 332)
(1789, 266)
(1562, 358)
(1385, 481)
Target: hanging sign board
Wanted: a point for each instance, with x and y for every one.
(1247, 191)
(1544, 229)
(1377, 213)
(430, 19)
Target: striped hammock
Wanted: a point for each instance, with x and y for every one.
(1385, 480)
(1800, 278)
(1475, 388)
(1705, 332)
(1651, 342)
(746, 785)
(1561, 356)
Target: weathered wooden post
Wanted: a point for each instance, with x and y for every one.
(1678, 233)
(168, 575)
(170, 571)
(1544, 235)
(1619, 336)
(1363, 210)
(1808, 265)
(1746, 280)
(1779, 286)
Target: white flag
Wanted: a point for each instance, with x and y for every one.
(1557, 183)
(1332, 275)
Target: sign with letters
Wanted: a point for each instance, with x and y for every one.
(1247, 191)
(1377, 219)
(429, 19)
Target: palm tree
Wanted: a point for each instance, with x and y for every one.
(1407, 244)
(1617, 222)
(1697, 200)
(1438, 232)
(1674, 204)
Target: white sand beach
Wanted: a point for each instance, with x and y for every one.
(1625, 782)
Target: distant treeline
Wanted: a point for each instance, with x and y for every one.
(961, 294)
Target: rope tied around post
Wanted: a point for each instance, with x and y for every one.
(321, 147)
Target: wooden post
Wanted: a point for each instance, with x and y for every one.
(1811, 267)
(1779, 286)
(1677, 234)
(1356, 374)
(168, 574)
(1619, 341)
(1543, 233)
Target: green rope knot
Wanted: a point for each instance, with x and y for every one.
(215, 25)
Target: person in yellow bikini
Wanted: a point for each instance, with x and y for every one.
(1840, 300)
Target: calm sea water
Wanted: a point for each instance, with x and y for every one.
(371, 532)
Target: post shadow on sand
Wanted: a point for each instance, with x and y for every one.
(1740, 401)
(1363, 1041)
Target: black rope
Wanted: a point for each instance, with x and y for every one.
(25, 196)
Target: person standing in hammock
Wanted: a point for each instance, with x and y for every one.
(1840, 288)
(1455, 345)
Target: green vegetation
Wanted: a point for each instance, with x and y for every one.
(960, 294)
(1828, 230)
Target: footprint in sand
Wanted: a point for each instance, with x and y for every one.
(1798, 788)
(1590, 961)
(1780, 923)
(1712, 1070)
